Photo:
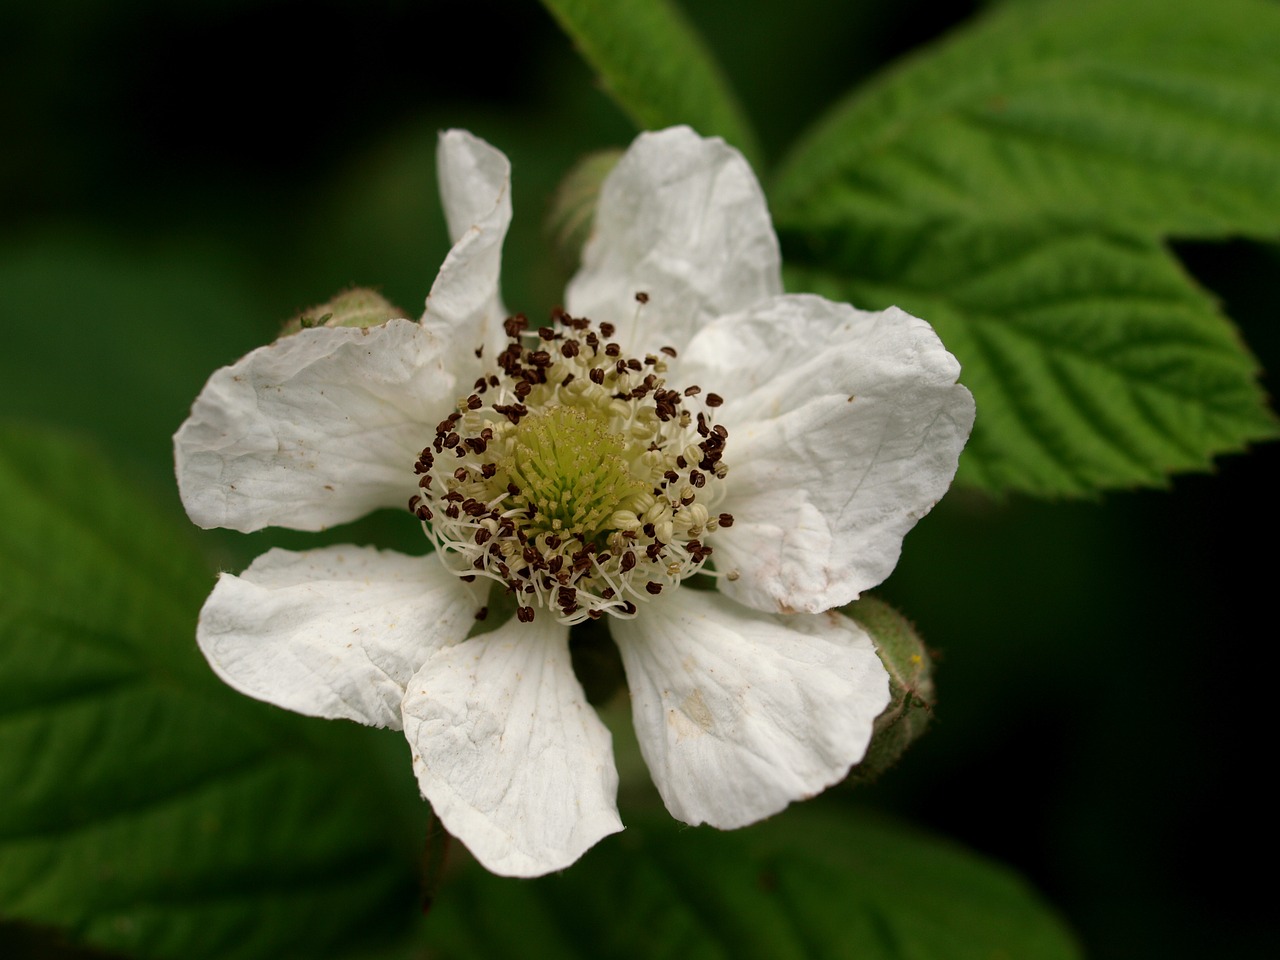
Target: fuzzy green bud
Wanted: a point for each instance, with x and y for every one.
(358, 307)
(911, 692)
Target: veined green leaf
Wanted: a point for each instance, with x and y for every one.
(1159, 118)
(1094, 360)
(145, 808)
(654, 64)
(812, 883)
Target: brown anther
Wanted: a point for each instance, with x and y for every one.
(697, 479)
(569, 348)
(460, 474)
(596, 375)
(546, 333)
(524, 614)
(641, 297)
(607, 329)
(482, 613)
(487, 470)
(612, 349)
(653, 588)
(669, 351)
(628, 561)
(480, 351)
(714, 400)
(482, 536)
(726, 519)
(474, 402)
(692, 391)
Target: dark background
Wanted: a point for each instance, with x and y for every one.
(176, 179)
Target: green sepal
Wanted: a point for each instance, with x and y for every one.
(573, 208)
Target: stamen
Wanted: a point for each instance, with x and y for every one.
(579, 484)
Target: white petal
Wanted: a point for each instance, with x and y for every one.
(465, 304)
(333, 633)
(514, 760)
(684, 220)
(315, 429)
(845, 428)
(738, 713)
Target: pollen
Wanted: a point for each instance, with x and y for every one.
(574, 475)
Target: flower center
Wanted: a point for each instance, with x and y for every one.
(574, 476)
(572, 471)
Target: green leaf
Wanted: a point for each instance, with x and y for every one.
(654, 64)
(1012, 186)
(816, 882)
(144, 807)
(1094, 360)
(1160, 118)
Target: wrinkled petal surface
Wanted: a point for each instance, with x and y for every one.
(514, 760)
(684, 220)
(845, 427)
(739, 713)
(316, 429)
(465, 307)
(335, 632)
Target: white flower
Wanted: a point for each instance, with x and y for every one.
(685, 416)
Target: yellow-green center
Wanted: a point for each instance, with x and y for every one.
(572, 471)
(574, 476)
